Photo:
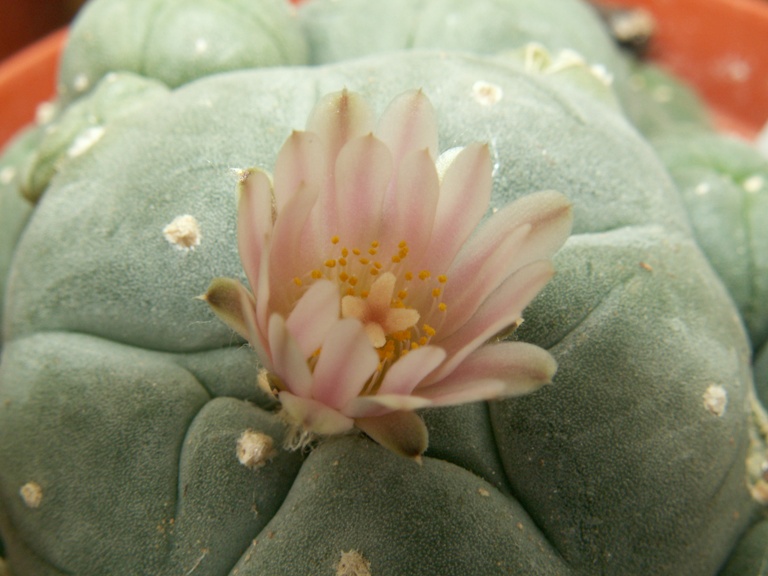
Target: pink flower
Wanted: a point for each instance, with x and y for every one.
(374, 295)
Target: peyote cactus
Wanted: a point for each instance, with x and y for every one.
(135, 438)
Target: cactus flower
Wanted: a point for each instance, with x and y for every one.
(375, 292)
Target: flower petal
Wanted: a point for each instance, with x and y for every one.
(346, 362)
(377, 405)
(500, 310)
(223, 296)
(531, 228)
(403, 433)
(409, 124)
(254, 219)
(236, 307)
(288, 361)
(408, 212)
(405, 374)
(494, 371)
(340, 116)
(465, 192)
(313, 416)
(301, 159)
(336, 119)
(363, 172)
(314, 315)
(293, 248)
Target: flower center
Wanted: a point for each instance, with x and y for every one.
(399, 309)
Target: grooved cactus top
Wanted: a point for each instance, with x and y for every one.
(134, 438)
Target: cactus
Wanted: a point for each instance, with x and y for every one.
(137, 441)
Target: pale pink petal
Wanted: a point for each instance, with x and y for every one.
(409, 124)
(300, 160)
(465, 292)
(288, 361)
(529, 229)
(376, 405)
(403, 376)
(363, 173)
(409, 211)
(254, 219)
(346, 362)
(314, 315)
(262, 289)
(314, 416)
(494, 371)
(500, 310)
(293, 253)
(338, 118)
(256, 336)
(464, 195)
(403, 433)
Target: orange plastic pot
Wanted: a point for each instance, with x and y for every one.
(719, 46)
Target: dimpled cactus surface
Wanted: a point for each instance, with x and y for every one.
(136, 440)
(724, 184)
(14, 208)
(176, 41)
(339, 30)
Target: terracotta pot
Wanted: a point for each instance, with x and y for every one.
(719, 46)
(27, 79)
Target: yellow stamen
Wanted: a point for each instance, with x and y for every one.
(297, 281)
(429, 330)
(335, 239)
(442, 278)
(343, 276)
(316, 274)
(408, 276)
(442, 307)
(424, 274)
(436, 292)
(330, 263)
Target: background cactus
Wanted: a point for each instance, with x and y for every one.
(122, 399)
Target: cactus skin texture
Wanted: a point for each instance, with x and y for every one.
(122, 398)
